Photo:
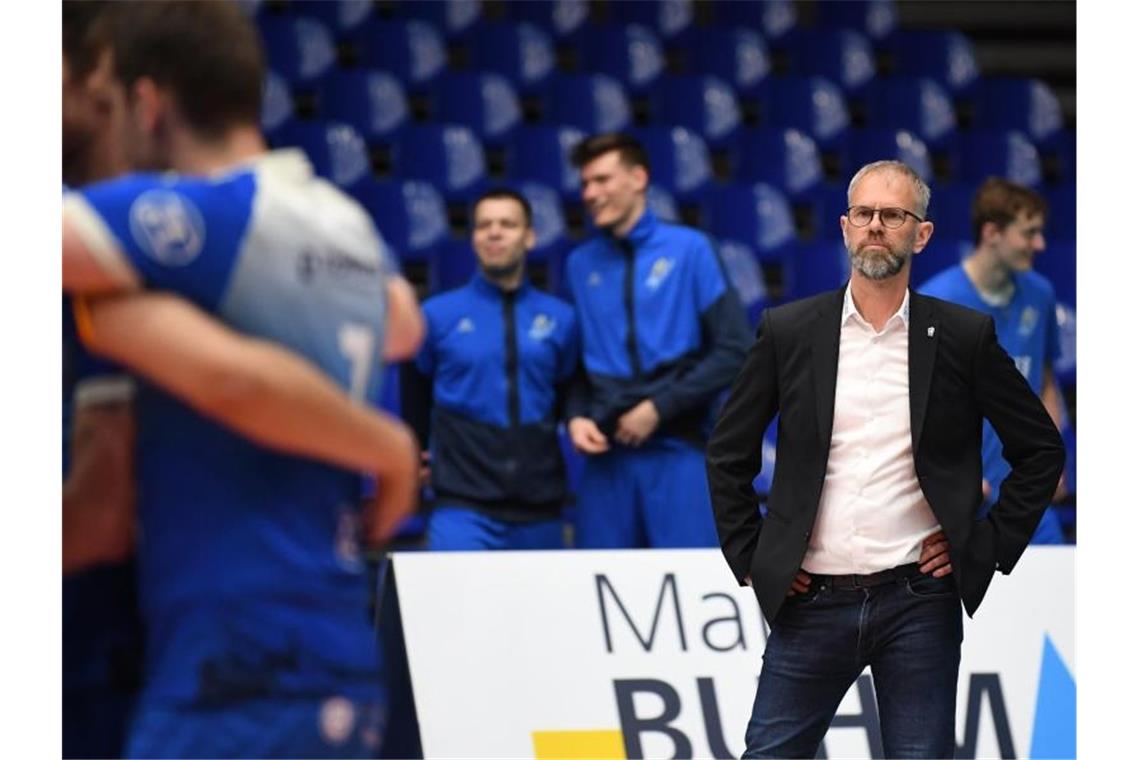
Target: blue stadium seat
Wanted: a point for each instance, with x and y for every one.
(565, 19)
(593, 103)
(773, 18)
(784, 157)
(298, 48)
(1058, 262)
(455, 18)
(412, 50)
(737, 55)
(878, 19)
(829, 202)
(450, 263)
(867, 145)
(276, 103)
(523, 53)
(743, 271)
(818, 266)
(705, 104)
(662, 203)
(940, 253)
(373, 102)
(632, 54)
(762, 483)
(1066, 366)
(1004, 153)
(917, 104)
(484, 102)
(549, 223)
(336, 150)
(814, 105)
(1027, 105)
(950, 210)
(338, 15)
(410, 215)
(758, 214)
(541, 153)
(448, 156)
(843, 56)
(1062, 216)
(671, 20)
(945, 56)
(678, 160)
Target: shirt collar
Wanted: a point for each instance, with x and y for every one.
(849, 310)
(484, 286)
(642, 230)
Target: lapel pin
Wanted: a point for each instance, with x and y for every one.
(930, 332)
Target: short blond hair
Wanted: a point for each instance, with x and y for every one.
(921, 189)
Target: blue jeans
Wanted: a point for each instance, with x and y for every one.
(908, 631)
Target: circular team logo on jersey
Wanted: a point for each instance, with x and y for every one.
(168, 227)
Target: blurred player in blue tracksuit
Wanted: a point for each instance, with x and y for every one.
(497, 357)
(252, 586)
(663, 333)
(102, 635)
(997, 278)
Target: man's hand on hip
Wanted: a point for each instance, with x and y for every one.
(636, 425)
(935, 557)
(586, 437)
(800, 584)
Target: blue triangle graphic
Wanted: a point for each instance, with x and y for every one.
(1055, 721)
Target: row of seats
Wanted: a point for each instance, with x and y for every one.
(377, 102)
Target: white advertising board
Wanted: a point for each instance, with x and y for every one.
(656, 654)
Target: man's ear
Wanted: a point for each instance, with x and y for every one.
(641, 178)
(149, 105)
(989, 231)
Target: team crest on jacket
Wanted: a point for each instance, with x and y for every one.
(465, 325)
(661, 269)
(1029, 316)
(541, 327)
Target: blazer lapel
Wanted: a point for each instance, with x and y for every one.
(825, 362)
(922, 345)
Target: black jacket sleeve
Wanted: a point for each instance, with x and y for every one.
(733, 457)
(1030, 444)
(416, 400)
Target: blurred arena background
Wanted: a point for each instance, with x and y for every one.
(754, 115)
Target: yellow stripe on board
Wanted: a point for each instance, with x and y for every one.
(578, 744)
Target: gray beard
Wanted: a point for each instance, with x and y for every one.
(878, 267)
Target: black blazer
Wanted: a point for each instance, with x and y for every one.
(957, 376)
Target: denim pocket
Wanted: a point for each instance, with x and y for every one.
(928, 587)
(814, 592)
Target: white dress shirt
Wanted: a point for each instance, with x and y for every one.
(872, 514)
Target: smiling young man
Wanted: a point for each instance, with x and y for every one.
(997, 279)
(663, 333)
(497, 356)
(871, 544)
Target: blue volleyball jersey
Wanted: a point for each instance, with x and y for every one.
(251, 580)
(1027, 330)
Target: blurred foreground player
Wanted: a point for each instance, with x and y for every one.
(102, 635)
(997, 279)
(497, 357)
(252, 585)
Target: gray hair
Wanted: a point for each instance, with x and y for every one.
(921, 189)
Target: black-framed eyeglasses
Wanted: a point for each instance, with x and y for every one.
(892, 218)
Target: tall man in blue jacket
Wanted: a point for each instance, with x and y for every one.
(498, 355)
(662, 334)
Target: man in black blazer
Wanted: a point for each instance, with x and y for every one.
(870, 545)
